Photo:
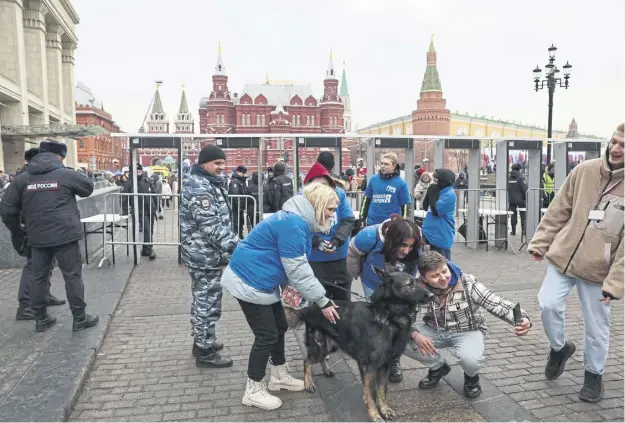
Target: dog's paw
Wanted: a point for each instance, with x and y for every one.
(310, 387)
(388, 413)
(376, 418)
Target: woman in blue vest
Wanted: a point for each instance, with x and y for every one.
(439, 226)
(387, 193)
(273, 255)
(328, 257)
(394, 245)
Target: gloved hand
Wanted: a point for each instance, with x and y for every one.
(326, 246)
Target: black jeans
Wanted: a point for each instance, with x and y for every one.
(334, 271)
(513, 218)
(268, 323)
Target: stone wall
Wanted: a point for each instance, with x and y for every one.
(89, 206)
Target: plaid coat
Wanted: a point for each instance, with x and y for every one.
(462, 312)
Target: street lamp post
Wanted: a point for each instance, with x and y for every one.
(552, 80)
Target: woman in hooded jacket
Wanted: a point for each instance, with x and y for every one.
(422, 187)
(272, 255)
(439, 226)
(387, 193)
(328, 257)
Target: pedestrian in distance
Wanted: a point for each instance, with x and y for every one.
(207, 240)
(280, 187)
(45, 195)
(581, 236)
(517, 192)
(275, 254)
(439, 225)
(147, 208)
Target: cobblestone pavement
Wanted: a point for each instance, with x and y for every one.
(145, 371)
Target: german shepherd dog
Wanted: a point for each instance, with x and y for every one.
(370, 332)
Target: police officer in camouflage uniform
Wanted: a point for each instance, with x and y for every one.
(208, 240)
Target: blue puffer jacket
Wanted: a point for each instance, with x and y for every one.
(365, 252)
(440, 230)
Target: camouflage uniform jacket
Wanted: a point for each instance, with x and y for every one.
(205, 222)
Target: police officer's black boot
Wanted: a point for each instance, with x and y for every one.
(395, 374)
(43, 321)
(434, 376)
(24, 312)
(211, 358)
(53, 301)
(217, 345)
(472, 388)
(83, 320)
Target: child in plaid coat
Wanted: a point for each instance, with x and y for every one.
(454, 319)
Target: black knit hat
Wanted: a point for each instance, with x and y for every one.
(51, 146)
(211, 153)
(326, 159)
(30, 153)
(241, 169)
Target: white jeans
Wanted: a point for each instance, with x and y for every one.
(552, 300)
(469, 349)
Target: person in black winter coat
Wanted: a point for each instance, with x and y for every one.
(260, 208)
(517, 191)
(238, 187)
(148, 207)
(44, 196)
(280, 188)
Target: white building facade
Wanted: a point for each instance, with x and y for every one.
(37, 87)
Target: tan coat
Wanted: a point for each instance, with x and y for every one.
(588, 249)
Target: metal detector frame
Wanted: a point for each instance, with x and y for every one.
(334, 141)
(561, 150)
(473, 168)
(405, 143)
(147, 141)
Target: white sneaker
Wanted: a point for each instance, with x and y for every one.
(281, 379)
(256, 395)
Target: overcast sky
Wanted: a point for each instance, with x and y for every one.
(487, 50)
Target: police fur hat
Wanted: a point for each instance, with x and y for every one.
(51, 146)
(241, 169)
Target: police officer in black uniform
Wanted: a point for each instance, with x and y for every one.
(148, 207)
(24, 312)
(280, 188)
(238, 187)
(45, 195)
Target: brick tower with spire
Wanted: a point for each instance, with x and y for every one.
(184, 120)
(217, 113)
(158, 122)
(572, 133)
(431, 117)
(347, 104)
(331, 107)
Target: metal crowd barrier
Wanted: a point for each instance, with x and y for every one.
(150, 222)
(544, 199)
(491, 205)
(355, 201)
(245, 213)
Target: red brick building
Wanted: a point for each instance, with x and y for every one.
(100, 152)
(272, 108)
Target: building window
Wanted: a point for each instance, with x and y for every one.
(81, 144)
(257, 120)
(312, 120)
(263, 120)
(299, 120)
(294, 120)
(307, 120)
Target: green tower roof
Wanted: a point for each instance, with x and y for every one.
(344, 90)
(158, 105)
(431, 80)
(184, 107)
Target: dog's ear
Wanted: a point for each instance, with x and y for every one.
(382, 274)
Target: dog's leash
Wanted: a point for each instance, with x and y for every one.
(333, 285)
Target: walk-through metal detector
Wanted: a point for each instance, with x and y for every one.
(394, 143)
(473, 170)
(502, 174)
(147, 141)
(258, 143)
(332, 142)
(561, 150)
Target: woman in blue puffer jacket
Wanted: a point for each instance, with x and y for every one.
(394, 245)
(275, 254)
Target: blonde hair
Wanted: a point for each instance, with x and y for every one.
(392, 156)
(319, 196)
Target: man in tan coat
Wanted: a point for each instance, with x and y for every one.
(581, 235)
